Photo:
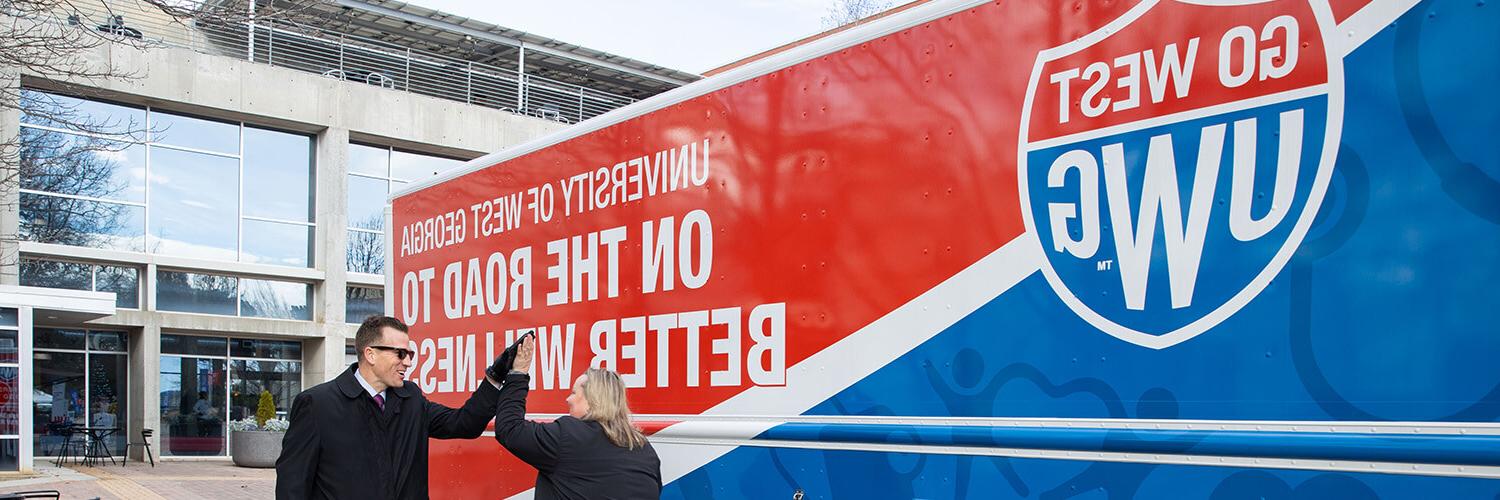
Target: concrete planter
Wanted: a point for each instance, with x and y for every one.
(255, 448)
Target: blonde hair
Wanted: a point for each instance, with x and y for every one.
(605, 393)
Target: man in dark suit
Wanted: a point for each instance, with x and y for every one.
(364, 434)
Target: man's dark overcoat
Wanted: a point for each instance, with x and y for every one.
(341, 445)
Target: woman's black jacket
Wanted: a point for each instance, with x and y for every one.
(573, 458)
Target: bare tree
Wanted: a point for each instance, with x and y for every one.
(74, 165)
(366, 252)
(843, 12)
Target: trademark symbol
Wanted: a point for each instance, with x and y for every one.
(1104, 265)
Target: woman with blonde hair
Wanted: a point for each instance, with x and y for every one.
(592, 452)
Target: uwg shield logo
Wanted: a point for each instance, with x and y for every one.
(1171, 162)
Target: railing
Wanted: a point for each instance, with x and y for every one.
(373, 62)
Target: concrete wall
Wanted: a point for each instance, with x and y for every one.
(185, 81)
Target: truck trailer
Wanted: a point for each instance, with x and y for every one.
(1008, 249)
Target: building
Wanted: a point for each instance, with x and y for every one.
(181, 240)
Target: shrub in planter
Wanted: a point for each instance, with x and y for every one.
(256, 441)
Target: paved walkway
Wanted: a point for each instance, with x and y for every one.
(218, 480)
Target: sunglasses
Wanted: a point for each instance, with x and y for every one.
(401, 353)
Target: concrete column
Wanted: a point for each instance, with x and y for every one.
(10, 183)
(145, 389)
(324, 359)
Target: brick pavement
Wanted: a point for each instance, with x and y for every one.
(219, 480)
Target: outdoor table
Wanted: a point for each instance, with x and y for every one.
(98, 448)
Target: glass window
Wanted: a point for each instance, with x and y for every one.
(192, 406)
(275, 299)
(10, 416)
(362, 302)
(60, 111)
(9, 316)
(197, 293)
(412, 166)
(125, 282)
(367, 203)
(83, 223)
(57, 397)
(59, 338)
(194, 204)
(107, 341)
(283, 379)
(55, 274)
(10, 454)
(366, 253)
(190, 344)
(274, 349)
(90, 189)
(56, 162)
(277, 243)
(277, 177)
(349, 357)
(108, 396)
(8, 347)
(369, 160)
(196, 133)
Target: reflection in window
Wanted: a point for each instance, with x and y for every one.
(9, 346)
(124, 282)
(192, 406)
(189, 344)
(198, 395)
(107, 395)
(283, 379)
(59, 338)
(259, 348)
(231, 296)
(412, 166)
(366, 253)
(369, 160)
(77, 383)
(10, 411)
(196, 133)
(79, 165)
(10, 454)
(90, 189)
(277, 243)
(275, 299)
(196, 293)
(71, 113)
(362, 302)
(107, 341)
(194, 202)
(55, 274)
(277, 177)
(83, 223)
(367, 202)
(57, 397)
(374, 172)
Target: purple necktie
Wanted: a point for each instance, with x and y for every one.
(380, 401)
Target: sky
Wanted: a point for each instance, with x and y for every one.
(687, 35)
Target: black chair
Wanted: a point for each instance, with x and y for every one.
(31, 494)
(145, 441)
(64, 450)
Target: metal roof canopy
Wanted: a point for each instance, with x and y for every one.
(641, 76)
